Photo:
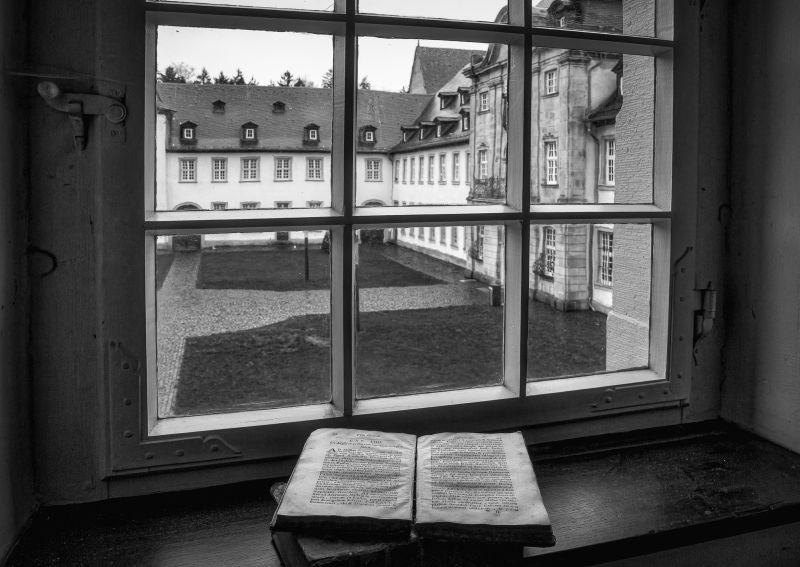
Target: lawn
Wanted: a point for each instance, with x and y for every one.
(398, 352)
(283, 269)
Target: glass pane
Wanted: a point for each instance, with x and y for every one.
(434, 139)
(630, 17)
(237, 130)
(243, 321)
(430, 314)
(470, 10)
(592, 131)
(590, 299)
(320, 5)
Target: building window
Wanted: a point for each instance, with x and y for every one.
(456, 168)
(413, 170)
(420, 234)
(430, 168)
(313, 134)
(188, 133)
(465, 121)
(219, 170)
(369, 136)
(421, 169)
(483, 164)
(250, 204)
(374, 169)
(397, 171)
(283, 204)
(605, 257)
(314, 169)
(438, 130)
(219, 206)
(549, 238)
(551, 81)
(610, 161)
(454, 237)
(283, 169)
(468, 160)
(483, 101)
(442, 168)
(477, 244)
(249, 168)
(431, 234)
(405, 162)
(249, 133)
(313, 204)
(188, 167)
(463, 98)
(551, 163)
(442, 234)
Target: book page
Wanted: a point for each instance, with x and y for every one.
(352, 473)
(481, 479)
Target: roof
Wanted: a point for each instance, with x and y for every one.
(279, 131)
(608, 110)
(433, 67)
(450, 116)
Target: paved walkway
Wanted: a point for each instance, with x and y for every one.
(185, 311)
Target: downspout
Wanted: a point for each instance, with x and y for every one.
(590, 271)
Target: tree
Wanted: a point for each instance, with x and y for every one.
(221, 79)
(286, 79)
(176, 73)
(203, 78)
(327, 79)
(238, 78)
(299, 83)
(364, 84)
(252, 82)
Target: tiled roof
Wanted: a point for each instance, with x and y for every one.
(437, 65)
(598, 15)
(282, 131)
(608, 110)
(451, 116)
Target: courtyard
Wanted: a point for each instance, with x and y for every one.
(245, 329)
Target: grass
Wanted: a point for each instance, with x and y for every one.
(283, 269)
(406, 351)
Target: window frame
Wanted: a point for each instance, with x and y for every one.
(375, 176)
(605, 257)
(609, 161)
(256, 171)
(223, 178)
(282, 165)
(321, 176)
(483, 101)
(275, 435)
(455, 176)
(183, 168)
(551, 162)
(551, 87)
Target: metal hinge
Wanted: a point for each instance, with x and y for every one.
(77, 106)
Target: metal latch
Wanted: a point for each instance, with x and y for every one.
(77, 106)
(705, 310)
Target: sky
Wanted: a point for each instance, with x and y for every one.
(264, 56)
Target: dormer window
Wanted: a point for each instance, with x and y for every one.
(249, 133)
(408, 132)
(367, 134)
(438, 130)
(311, 134)
(463, 96)
(188, 133)
(278, 107)
(446, 99)
(464, 121)
(219, 107)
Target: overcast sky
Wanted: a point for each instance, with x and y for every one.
(266, 55)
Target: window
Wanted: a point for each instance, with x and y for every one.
(551, 81)
(492, 242)
(188, 133)
(605, 244)
(442, 234)
(456, 168)
(283, 169)
(421, 169)
(610, 161)
(483, 101)
(188, 170)
(454, 237)
(397, 171)
(464, 121)
(219, 206)
(549, 238)
(250, 204)
(413, 169)
(314, 169)
(219, 170)
(551, 164)
(431, 234)
(483, 164)
(442, 168)
(438, 130)
(369, 136)
(313, 134)
(313, 204)
(283, 204)
(249, 168)
(374, 169)
(464, 98)
(249, 133)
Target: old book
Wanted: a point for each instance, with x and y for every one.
(470, 486)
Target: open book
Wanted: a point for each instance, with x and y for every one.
(469, 486)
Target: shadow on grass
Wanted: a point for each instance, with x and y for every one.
(283, 269)
(398, 352)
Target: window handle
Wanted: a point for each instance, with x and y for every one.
(78, 106)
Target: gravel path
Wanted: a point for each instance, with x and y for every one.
(185, 311)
